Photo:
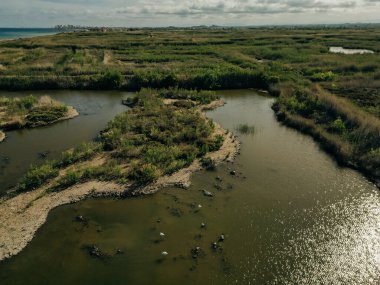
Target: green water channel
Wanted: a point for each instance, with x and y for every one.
(291, 215)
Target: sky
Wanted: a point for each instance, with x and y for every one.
(152, 13)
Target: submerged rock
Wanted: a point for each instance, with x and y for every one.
(43, 154)
(207, 193)
(198, 237)
(196, 252)
(216, 247)
(218, 186)
(80, 219)
(94, 251)
(177, 212)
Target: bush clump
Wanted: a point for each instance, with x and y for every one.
(45, 115)
(82, 152)
(140, 145)
(37, 176)
(144, 174)
(208, 163)
(71, 178)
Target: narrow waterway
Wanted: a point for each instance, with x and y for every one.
(291, 215)
(27, 147)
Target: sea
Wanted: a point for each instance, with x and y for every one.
(15, 33)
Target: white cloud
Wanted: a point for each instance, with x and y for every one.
(184, 12)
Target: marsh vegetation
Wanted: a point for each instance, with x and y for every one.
(138, 146)
(295, 65)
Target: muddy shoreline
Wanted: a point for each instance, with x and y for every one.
(23, 215)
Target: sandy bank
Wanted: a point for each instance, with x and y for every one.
(2, 136)
(23, 215)
(71, 113)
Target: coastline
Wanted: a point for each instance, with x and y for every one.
(26, 33)
(23, 215)
(2, 136)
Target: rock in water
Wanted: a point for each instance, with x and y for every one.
(196, 252)
(208, 193)
(80, 219)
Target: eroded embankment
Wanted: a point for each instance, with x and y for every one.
(23, 215)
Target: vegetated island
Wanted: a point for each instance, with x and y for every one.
(333, 97)
(31, 112)
(161, 141)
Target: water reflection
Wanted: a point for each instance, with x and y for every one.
(23, 148)
(289, 216)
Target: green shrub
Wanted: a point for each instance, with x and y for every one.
(338, 126)
(108, 172)
(71, 178)
(374, 153)
(324, 76)
(82, 152)
(144, 174)
(216, 143)
(27, 102)
(45, 115)
(208, 163)
(111, 139)
(37, 176)
(111, 79)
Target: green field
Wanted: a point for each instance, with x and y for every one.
(334, 97)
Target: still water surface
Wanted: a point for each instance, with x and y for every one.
(350, 51)
(23, 148)
(15, 33)
(290, 216)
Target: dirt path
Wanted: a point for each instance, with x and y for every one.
(107, 58)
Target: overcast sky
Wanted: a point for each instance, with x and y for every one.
(47, 13)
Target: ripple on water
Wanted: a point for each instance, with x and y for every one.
(341, 246)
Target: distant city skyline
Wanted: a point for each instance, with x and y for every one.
(126, 13)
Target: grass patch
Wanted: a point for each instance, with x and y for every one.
(37, 176)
